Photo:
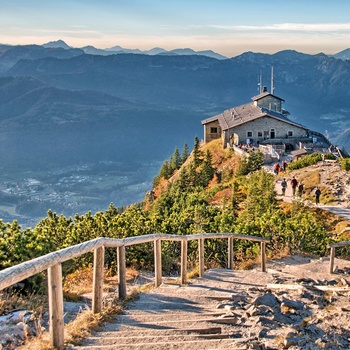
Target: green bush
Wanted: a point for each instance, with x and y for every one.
(308, 160)
(345, 164)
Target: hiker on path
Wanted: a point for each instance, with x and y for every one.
(276, 168)
(283, 187)
(284, 165)
(300, 189)
(294, 184)
(317, 195)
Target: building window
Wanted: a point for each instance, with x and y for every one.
(213, 130)
(260, 134)
(249, 133)
(290, 133)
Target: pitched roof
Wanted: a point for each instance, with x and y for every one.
(264, 94)
(246, 113)
(299, 152)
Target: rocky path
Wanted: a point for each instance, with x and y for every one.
(297, 304)
(332, 177)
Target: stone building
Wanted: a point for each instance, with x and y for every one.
(261, 122)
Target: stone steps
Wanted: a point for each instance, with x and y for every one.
(159, 345)
(178, 317)
(158, 325)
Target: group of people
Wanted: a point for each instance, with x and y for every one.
(298, 188)
(278, 168)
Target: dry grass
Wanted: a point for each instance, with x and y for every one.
(81, 327)
(77, 284)
(311, 179)
(80, 282)
(75, 331)
(10, 300)
(222, 196)
(85, 323)
(280, 254)
(247, 264)
(42, 342)
(193, 273)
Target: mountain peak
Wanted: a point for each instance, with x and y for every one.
(56, 44)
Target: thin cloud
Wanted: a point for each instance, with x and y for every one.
(296, 27)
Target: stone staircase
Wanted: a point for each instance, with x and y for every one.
(196, 316)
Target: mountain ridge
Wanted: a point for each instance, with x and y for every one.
(166, 80)
(118, 49)
(63, 108)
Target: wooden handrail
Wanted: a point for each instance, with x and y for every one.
(332, 254)
(52, 262)
(19, 272)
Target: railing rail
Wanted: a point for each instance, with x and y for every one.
(332, 253)
(52, 262)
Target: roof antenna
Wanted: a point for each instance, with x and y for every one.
(260, 83)
(272, 82)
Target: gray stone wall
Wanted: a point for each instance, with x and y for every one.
(209, 135)
(261, 130)
(270, 102)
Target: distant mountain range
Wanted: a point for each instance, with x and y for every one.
(56, 85)
(118, 49)
(62, 106)
(343, 55)
(60, 44)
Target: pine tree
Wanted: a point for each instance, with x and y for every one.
(261, 195)
(184, 154)
(255, 161)
(207, 171)
(196, 152)
(175, 160)
(165, 170)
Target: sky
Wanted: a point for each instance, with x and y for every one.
(229, 27)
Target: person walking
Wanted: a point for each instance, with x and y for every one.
(317, 195)
(294, 184)
(284, 187)
(300, 189)
(276, 169)
(284, 165)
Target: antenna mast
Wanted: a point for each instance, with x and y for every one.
(272, 82)
(260, 85)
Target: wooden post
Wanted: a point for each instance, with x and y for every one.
(158, 262)
(331, 260)
(230, 253)
(263, 256)
(97, 291)
(201, 257)
(56, 306)
(121, 272)
(184, 261)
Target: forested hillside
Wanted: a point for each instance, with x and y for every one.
(209, 190)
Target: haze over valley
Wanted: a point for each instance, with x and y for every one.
(81, 130)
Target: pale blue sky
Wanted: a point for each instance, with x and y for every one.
(229, 27)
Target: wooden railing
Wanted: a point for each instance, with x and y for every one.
(53, 264)
(332, 254)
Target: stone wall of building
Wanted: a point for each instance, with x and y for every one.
(270, 102)
(265, 128)
(212, 131)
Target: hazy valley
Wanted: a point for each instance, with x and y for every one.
(79, 131)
